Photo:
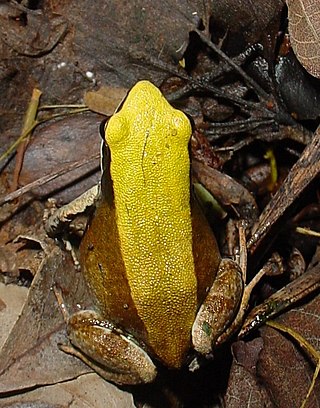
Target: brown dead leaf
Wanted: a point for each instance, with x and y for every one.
(39, 36)
(86, 391)
(105, 100)
(283, 367)
(12, 299)
(135, 33)
(243, 388)
(31, 355)
(59, 144)
(247, 19)
(304, 29)
(299, 90)
(273, 371)
(226, 190)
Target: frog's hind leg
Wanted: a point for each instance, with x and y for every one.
(112, 355)
(219, 307)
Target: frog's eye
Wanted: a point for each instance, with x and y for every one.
(102, 128)
(117, 128)
(183, 126)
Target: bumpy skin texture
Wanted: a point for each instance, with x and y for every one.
(148, 262)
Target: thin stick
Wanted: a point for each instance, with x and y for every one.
(46, 179)
(253, 84)
(29, 120)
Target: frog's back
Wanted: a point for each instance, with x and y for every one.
(151, 247)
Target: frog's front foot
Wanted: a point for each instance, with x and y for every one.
(57, 222)
(112, 355)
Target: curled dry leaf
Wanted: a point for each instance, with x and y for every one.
(299, 90)
(226, 190)
(304, 29)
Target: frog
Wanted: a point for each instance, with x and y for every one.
(148, 255)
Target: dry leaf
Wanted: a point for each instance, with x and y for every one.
(105, 100)
(273, 371)
(249, 19)
(86, 391)
(283, 367)
(304, 29)
(33, 341)
(59, 144)
(12, 298)
(226, 190)
(243, 388)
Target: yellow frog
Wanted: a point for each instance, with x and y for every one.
(148, 254)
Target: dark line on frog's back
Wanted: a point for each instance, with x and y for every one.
(147, 134)
(127, 210)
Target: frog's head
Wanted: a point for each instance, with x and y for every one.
(145, 112)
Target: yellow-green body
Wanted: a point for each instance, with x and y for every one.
(152, 200)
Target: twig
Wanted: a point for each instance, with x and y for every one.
(249, 81)
(46, 179)
(29, 121)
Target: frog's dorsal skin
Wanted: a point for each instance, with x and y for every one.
(150, 237)
(148, 254)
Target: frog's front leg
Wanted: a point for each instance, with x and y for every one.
(219, 307)
(63, 216)
(112, 355)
